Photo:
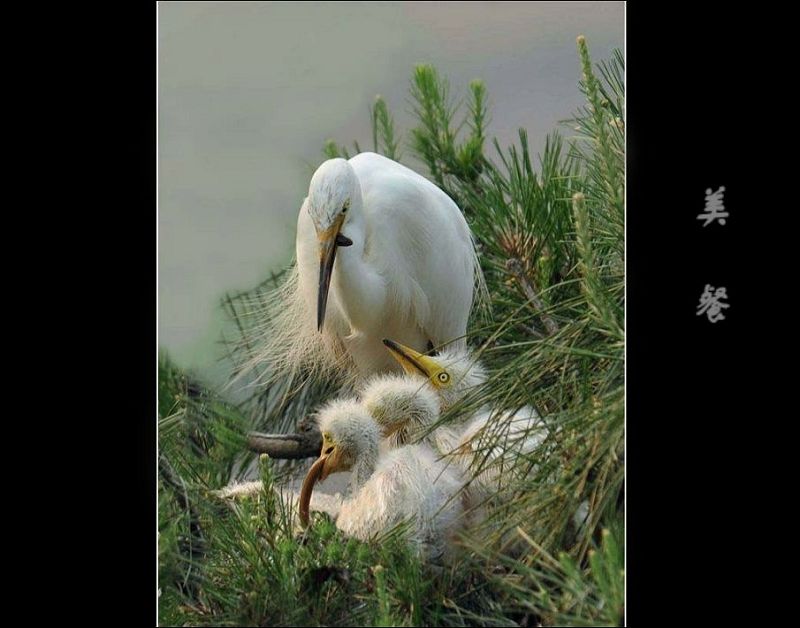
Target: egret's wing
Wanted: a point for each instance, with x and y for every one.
(419, 241)
(369, 163)
(493, 441)
(522, 429)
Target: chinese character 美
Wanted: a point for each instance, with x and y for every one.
(711, 304)
(715, 210)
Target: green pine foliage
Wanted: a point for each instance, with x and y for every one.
(550, 231)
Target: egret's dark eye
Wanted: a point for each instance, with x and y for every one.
(443, 377)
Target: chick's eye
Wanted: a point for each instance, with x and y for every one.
(345, 207)
(443, 377)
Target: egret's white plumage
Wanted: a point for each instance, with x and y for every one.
(399, 260)
(494, 442)
(408, 484)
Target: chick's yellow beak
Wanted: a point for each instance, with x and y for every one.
(308, 487)
(413, 362)
(328, 462)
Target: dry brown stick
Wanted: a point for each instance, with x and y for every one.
(515, 266)
(286, 446)
(530, 329)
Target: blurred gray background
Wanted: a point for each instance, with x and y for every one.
(249, 92)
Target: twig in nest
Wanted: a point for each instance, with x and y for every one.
(531, 330)
(515, 266)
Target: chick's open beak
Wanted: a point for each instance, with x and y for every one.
(413, 362)
(329, 240)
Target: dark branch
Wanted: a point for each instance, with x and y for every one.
(287, 446)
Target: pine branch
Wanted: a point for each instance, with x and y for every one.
(286, 446)
(596, 294)
(608, 159)
(383, 130)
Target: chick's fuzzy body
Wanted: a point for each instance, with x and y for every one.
(408, 484)
(406, 407)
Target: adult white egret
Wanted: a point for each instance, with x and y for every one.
(380, 250)
(408, 484)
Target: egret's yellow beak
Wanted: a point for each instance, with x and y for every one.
(328, 240)
(413, 362)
